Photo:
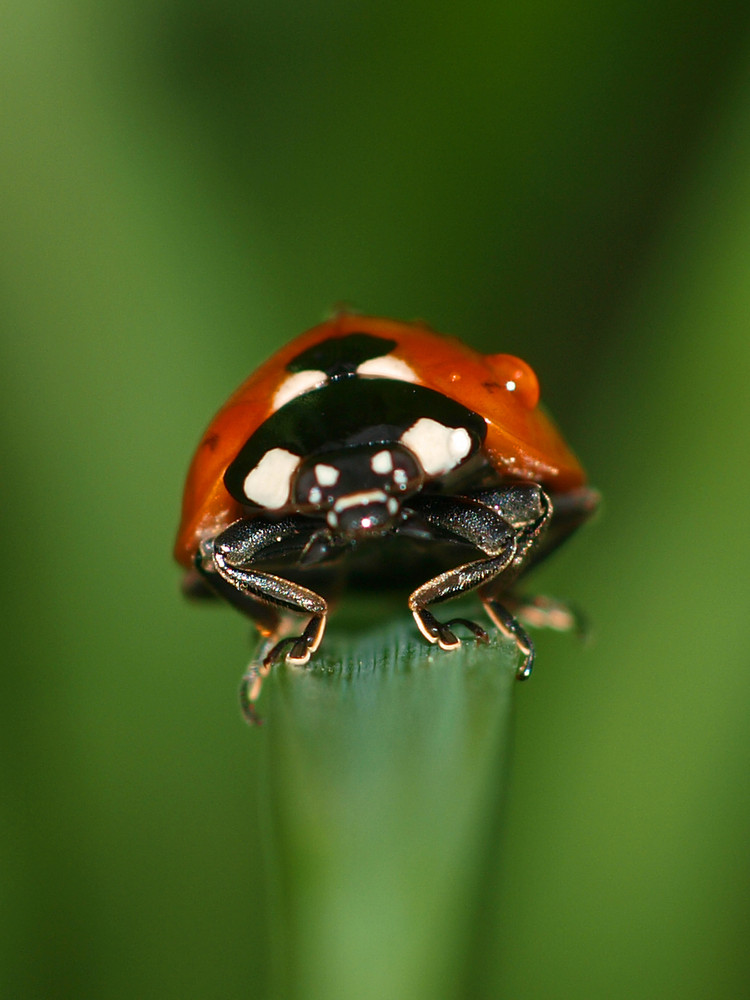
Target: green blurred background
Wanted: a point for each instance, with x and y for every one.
(184, 187)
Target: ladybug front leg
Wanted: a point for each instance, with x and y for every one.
(230, 557)
(464, 520)
(502, 523)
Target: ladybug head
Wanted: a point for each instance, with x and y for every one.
(360, 488)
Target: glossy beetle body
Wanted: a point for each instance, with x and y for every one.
(367, 431)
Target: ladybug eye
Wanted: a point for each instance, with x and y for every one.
(516, 376)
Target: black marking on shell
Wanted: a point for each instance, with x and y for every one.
(341, 356)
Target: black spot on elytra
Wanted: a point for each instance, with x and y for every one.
(341, 356)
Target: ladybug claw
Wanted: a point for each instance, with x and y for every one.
(299, 649)
(446, 639)
(299, 654)
(526, 649)
(442, 633)
(250, 687)
(277, 652)
(252, 681)
(305, 644)
(477, 631)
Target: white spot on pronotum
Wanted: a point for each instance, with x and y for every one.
(315, 495)
(296, 385)
(438, 448)
(382, 463)
(392, 505)
(269, 483)
(387, 367)
(327, 475)
(400, 477)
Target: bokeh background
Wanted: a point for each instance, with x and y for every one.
(185, 186)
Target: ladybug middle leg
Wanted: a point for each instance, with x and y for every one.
(501, 523)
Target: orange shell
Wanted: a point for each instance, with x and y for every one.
(522, 442)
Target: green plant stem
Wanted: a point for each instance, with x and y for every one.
(385, 765)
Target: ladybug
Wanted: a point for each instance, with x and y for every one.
(389, 453)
